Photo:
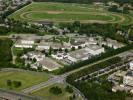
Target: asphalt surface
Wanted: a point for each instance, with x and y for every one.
(11, 95)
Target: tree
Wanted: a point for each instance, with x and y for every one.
(60, 49)
(28, 66)
(17, 83)
(40, 68)
(9, 83)
(73, 48)
(69, 89)
(79, 47)
(34, 60)
(66, 50)
(72, 97)
(50, 50)
(55, 90)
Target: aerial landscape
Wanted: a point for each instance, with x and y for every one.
(66, 49)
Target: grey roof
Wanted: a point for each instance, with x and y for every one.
(94, 47)
(79, 54)
(49, 63)
(77, 43)
(32, 36)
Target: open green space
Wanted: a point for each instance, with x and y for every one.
(45, 93)
(63, 12)
(61, 39)
(27, 78)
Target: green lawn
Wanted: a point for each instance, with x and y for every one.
(44, 93)
(61, 39)
(63, 12)
(18, 51)
(27, 78)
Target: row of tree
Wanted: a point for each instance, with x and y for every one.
(12, 83)
(12, 25)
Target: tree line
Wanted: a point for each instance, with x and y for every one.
(5, 53)
(15, 26)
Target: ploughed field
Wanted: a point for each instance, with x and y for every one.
(64, 12)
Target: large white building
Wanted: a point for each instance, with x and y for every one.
(24, 44)
(85, 53)
(49, 64)
(78, 55)
(113, 43)
(78, 44)
(34, 55)
(95, 49)
(46, 45)
(25, 41)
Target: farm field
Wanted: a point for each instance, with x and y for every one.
(63, 12)
(27, 78)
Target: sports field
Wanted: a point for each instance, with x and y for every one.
(27, 79)
(64, 12)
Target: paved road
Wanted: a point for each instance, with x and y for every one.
(11, 95)
(13, 55)
(77, 92)
(51, 81)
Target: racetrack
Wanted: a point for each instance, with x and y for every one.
(63, 12)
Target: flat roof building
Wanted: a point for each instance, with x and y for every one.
(79, 55)
(49, 64)
(94, 49)
(128, 79)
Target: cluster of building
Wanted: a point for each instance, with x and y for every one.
(19, 2)
(6, 5)
(125, 79)
(79, 55)
(79, 48)
(2, 6)
(42, 42)
(38, 60)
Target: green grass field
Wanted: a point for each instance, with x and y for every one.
(44, 93)
(63, 12)
(27, 78)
